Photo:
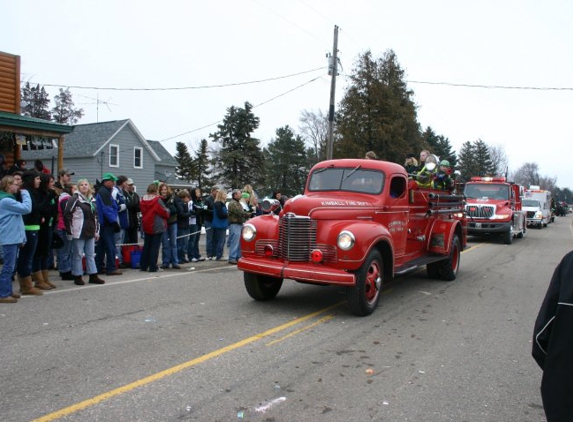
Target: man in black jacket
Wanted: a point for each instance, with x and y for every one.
(553, 344)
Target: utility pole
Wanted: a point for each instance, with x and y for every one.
(333, 71)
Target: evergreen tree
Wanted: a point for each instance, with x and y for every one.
(377, 112)
(466, 162)
(483, 159)
(288, 166)
(203, 166)
(474, 160)
(64, 111)
(240, 159)
(36, 102)
(440, 146)
(185, 170)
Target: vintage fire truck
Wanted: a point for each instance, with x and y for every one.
(358, 223)
(493, 207)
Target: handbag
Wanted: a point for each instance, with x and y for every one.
(57, 241)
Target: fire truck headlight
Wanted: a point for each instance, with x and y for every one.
(500, 216)
(346, 240)
(249, 232)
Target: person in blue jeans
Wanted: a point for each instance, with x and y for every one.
(12, 233)
(220, 223)
(237, 216)
(108, 218)
(169, 237)
(208, 222)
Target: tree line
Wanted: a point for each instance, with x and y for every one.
(377, 113)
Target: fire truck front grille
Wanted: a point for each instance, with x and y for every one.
(477, 211)
(263, 244)
(297, 238)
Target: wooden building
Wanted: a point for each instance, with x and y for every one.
(17, 130)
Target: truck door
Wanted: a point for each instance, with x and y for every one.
(397, 213)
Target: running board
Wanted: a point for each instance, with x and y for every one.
(418, 262)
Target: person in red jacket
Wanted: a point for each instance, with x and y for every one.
(154, 215)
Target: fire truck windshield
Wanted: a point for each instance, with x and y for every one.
(346, 179)
(486, 190)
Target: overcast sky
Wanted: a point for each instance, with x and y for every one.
(189, 43)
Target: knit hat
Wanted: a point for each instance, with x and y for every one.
(445, 163)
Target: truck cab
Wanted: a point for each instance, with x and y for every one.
(357, 223)
(494, 207)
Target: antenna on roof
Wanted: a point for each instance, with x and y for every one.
(97, 103)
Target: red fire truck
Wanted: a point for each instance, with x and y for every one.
(494, 207)
(358, 223)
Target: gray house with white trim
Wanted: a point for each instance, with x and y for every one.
(94, 149)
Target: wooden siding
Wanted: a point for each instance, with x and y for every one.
(9, 83)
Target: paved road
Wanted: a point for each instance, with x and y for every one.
(191, 345)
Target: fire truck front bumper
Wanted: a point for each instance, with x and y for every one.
(486, 227)
(304, 272)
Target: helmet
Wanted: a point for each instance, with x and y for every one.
(445, 163)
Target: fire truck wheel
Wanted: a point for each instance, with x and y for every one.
(364, 296)
(447, 269)
(508, 236)
(261, 287)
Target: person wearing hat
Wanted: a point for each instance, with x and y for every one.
(442, 178)
(371, 155)
(64, 178)
(411, 164)
(107, 210)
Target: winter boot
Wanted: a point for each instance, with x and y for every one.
(67, 275)
(94, 279)
(16, 295)
(78, 280)
(39, 281)
(46, 276)
(8, 299)
(26, 287)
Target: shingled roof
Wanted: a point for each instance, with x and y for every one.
(166, 158)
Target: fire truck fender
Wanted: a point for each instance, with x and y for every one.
(369, 235)
(442, 234)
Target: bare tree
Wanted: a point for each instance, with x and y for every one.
(314, 130)
(499, 159)
(528, 175)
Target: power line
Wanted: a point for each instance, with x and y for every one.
(255, 106)
(182, 88)
(537, 88)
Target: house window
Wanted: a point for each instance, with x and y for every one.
(114, 155)
(138, 158)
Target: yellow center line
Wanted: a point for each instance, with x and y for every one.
(294, 333)
(178, 368)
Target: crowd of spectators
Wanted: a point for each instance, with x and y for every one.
(83, 230)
